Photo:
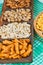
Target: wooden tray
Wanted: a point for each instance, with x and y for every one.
(29, 58)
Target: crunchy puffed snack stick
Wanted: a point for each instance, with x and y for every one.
(17, 3)
(15, 49)
(15, 30)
